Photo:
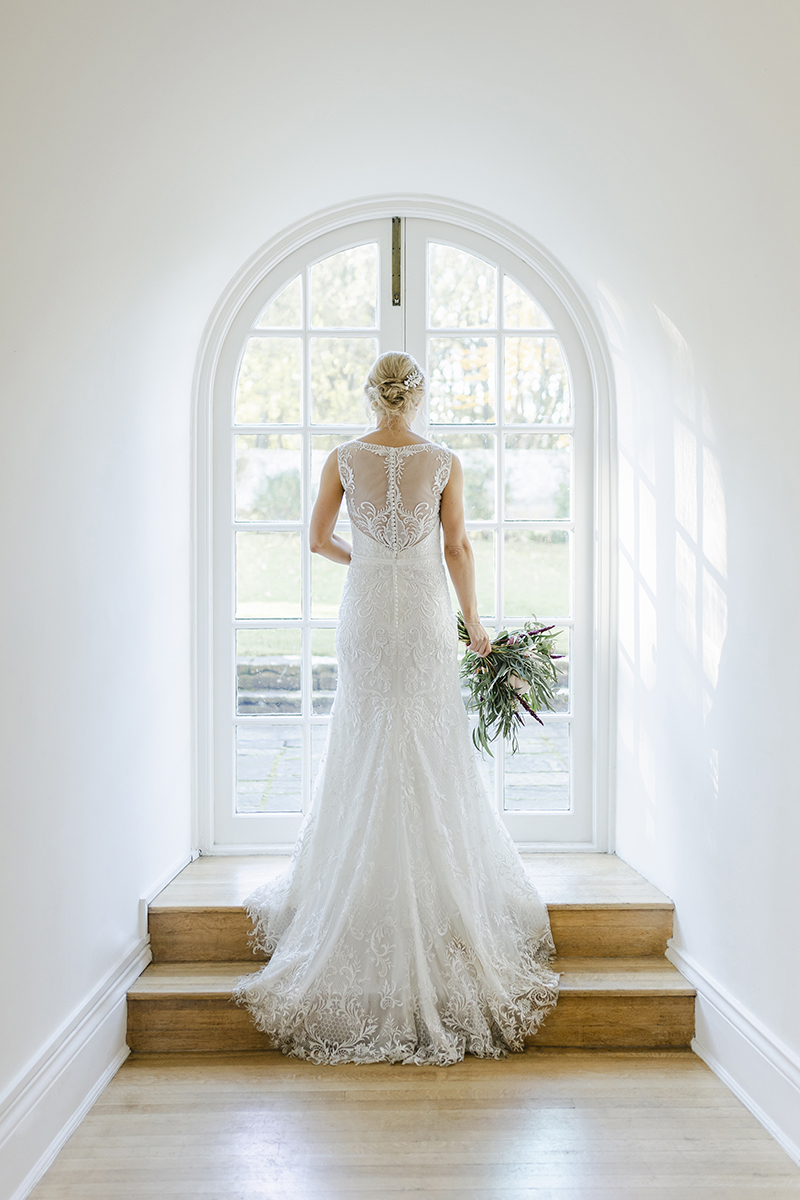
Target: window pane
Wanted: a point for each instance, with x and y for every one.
(484, 762)
(319, 740)
(268, 575)
(269, 761)
(537, 476)
(562, 688)
(321, 446)
(324, 670)
(462, 379)
(536, 382)
(520, 310)
(477, 454)
(268, 477)
(286, 310)
(344, 289)
(268, 388)
(536, 573)
(339, 369)
(483, 549)
(268, 671)
(462, 289)
(327, 581)
(537, 776)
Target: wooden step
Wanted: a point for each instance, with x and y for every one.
(598, 906)
(217, 934)
(640, 1003)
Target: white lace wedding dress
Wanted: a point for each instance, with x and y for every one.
(405, 928)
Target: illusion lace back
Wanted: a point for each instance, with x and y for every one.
(405, 928)
(393, 494)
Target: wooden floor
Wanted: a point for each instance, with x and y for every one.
(544, 1125)
(588, 1124)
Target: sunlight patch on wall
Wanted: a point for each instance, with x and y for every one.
(627, 610)
(684, 393)
(626, 700)
(647, 764)
(648, 542)
(700, 522)
(715, 526)
(685, 455)
(648, 640)
(672, 566)
(686, 593)
(627, 507)
(715, 626)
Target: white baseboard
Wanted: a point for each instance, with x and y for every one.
(48, 1099)
(760, 1070)
(167, 877)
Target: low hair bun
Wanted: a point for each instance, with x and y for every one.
(394, 387)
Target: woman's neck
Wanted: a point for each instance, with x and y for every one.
(396, 434)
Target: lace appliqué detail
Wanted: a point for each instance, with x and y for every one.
(397, 525)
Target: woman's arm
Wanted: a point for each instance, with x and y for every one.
(321, 537)
(459, 558)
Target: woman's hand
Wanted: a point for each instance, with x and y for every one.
(479, 640)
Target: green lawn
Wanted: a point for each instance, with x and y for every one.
(536, 575)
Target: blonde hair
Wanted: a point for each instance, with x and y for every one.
(394, 387)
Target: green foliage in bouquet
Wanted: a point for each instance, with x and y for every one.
(517, 674)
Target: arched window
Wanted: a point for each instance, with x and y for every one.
(510, 392)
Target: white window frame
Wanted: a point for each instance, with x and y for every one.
(585, 351)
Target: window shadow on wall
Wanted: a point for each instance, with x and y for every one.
(673, 607)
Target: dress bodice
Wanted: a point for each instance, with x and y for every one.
(393, 496)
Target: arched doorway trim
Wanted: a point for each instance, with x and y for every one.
(593, 344)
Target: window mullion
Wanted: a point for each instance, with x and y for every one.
(500, 765)
(267, 526)
(282, 623)
(306, 674)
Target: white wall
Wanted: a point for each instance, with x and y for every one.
(150, 149)
(708, 427)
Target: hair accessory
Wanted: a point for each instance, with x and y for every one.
(413, 380)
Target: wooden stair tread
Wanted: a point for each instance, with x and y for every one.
(579, 976)
(572, 881)
(564, 906)
(598, 905)
(621, 977)
(160, 980)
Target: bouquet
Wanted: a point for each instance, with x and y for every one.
(517, 674)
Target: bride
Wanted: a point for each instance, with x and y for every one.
(405, 928)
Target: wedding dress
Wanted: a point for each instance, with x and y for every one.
(405, 929)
